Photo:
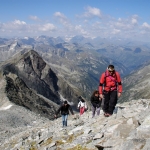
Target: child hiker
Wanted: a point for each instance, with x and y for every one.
(82, 105)
(96, 103)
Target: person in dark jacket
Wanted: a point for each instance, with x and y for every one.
(64, 109)
(96, 103)
(110, 88)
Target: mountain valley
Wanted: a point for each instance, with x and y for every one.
(38, 74)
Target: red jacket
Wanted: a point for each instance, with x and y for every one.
(110, 82)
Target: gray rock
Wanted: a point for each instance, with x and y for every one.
(109, 133)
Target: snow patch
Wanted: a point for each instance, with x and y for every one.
(13, 46)
(6, 107)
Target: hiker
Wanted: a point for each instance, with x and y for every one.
(110, 88)
(82, 105)
(64, 109)
(96, 103)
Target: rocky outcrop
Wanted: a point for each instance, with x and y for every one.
(38, 76)
(128, 128)
(20, 94)
(31, 68)
(26, 80)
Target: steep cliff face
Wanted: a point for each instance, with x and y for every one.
(18, 93)
(31, 68)
(31, 83)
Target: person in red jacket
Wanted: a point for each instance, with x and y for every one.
(110, 88)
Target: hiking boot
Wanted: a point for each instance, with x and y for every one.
(109, 115)
(106, 114)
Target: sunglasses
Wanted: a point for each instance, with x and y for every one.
(111, 70)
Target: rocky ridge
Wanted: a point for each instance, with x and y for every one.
(28, 81)
(127, 129)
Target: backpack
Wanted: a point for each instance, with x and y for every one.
(112, 79)
(107, 75)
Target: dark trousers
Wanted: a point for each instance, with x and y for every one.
(110, 101)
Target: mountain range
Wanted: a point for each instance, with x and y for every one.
(38, 74)
(79, 60)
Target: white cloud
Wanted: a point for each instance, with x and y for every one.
(47, 27)
(89, 24)
(61, 18)
(80, 30)
(63, 22)
(92, 12)
(146, 25)
(15, 25)
(119, 19)
(60, 15)
(18, 22)
(35, 18)
(125, 24)
(134, 21)
(115, 31)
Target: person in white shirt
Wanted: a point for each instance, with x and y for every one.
(82, 106)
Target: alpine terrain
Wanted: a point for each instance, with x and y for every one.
(38, 74)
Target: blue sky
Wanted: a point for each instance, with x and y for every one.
(90, 18)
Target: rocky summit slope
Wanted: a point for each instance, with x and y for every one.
(127, 129)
